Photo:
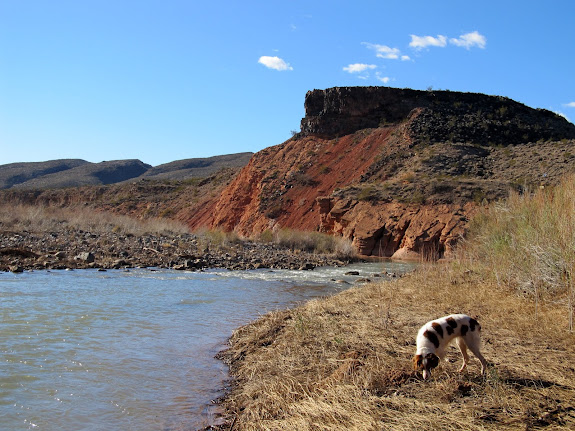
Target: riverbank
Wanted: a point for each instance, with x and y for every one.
(41, 237)
(343, 363)
(79, 249)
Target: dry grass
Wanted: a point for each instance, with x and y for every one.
(528, 243)
(343, 363)
(312, 242)
(39, 218)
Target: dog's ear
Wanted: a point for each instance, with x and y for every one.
(417, 359)
(432, 360)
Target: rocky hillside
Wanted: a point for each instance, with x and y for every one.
(19, 173)
(57, 174)
(400, 172)
(181, 200)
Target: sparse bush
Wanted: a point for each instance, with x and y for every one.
(217, 239)
(368, 193)
(266, 236)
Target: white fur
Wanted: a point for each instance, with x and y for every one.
(445, 334)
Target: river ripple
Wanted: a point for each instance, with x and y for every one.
(115, 350)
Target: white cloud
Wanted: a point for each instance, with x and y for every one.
(469, 40)
(405, 58)
(420, 42)
(570, 105)
(384, 51)
(359, 67)
(275, 63)
(563, 115)
(384, 79)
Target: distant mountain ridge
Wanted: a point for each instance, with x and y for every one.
(66, 173)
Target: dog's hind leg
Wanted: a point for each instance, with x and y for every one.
(475, 349)
(463, 348)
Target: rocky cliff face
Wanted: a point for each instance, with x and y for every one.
(399, 172)
(396, 230)
(438, 116)
(279, 187)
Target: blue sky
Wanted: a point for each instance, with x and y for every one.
(172, 79)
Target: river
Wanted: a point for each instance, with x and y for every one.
(134, 350)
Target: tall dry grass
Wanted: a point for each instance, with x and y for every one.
(312, 242)
(39, 218)
(343, 363)
(527, 243)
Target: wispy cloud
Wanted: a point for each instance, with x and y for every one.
(380, 77)
(359, 67)
(569, 105)
(420, 42)
(563, 115)
(384, 51)
(470, 40)
(467, 41)
(275, 63)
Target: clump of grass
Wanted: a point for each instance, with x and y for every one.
(528, 243)
(37, 218)
(217, 239)
(314, 242)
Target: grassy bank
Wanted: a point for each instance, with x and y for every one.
(343, 363)
(40, 218)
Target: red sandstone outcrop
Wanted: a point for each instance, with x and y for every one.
(396, 230)
(399, 172)
(279, 186)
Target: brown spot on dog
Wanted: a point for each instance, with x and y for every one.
(417, 361)
(451, 325)
(432, 337)
(438, 328)
(464, 329)
(474, 324)
(432, 361)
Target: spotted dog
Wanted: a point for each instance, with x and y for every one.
(434, 337)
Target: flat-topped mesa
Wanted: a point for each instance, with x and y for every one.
(436, 116)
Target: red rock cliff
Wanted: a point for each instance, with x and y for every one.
(399, 172)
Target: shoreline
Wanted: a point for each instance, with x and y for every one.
(78, 249)
(344, 362)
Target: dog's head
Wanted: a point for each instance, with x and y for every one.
(425, 363)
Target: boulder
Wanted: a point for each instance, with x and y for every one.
(86, 256)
